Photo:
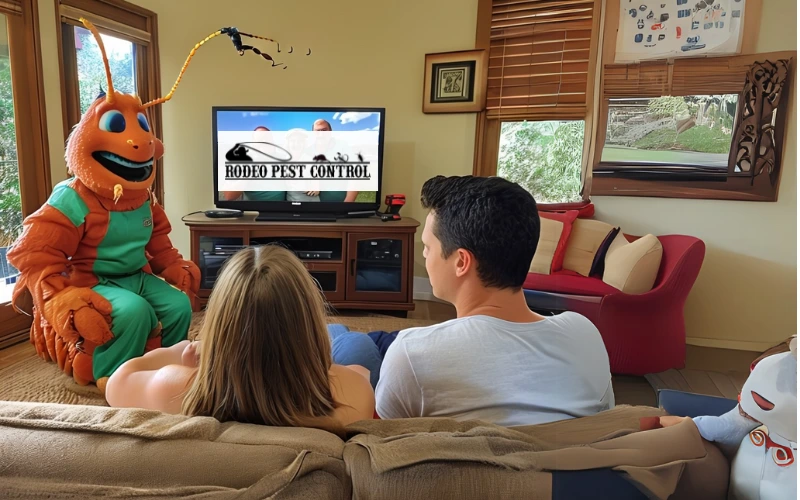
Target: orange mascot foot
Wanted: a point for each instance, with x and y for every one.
(101, 385)
(82, 368)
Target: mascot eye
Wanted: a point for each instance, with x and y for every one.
(112, 121)
(143, 122)
(782, 457)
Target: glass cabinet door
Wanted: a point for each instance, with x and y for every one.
(329, 278)
(377, 270)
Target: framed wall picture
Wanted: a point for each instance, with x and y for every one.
(455, 82)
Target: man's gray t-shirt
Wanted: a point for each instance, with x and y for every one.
(480, 367)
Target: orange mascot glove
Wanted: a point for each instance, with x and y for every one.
(80, 312)
(183, 275)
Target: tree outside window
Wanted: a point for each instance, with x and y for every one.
(92, 75)
(10, 199)
(544, 157)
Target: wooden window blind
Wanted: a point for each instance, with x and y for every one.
(697, 76)
(11, 7)
(539, 54)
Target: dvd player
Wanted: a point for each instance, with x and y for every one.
(314, 254)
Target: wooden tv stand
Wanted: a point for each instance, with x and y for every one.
(360, 263)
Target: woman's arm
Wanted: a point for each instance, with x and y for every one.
(360, 370)
(353, 393)
(156, 381)
(351, 196)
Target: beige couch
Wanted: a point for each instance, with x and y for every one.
(65, 451)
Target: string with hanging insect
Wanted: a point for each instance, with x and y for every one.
(236, 37)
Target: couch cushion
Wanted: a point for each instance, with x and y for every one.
(442, 458)
(549, 235)
(633, 267)
(96, 450)
(584, 241)
(566, 283)
(566, 218)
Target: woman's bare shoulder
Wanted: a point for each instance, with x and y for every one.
(353, 394)
(162, 389)
(169, 385)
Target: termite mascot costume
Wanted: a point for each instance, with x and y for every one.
(106, 282)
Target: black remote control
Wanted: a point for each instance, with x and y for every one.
(223, 214)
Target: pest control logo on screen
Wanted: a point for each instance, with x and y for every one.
(345, 161)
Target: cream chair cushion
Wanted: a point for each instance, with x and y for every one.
(633, 267)
(584, 242)
(549, 236)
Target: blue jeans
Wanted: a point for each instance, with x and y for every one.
(351, 348)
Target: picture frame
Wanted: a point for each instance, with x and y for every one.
(455, 82)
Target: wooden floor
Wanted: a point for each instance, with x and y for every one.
(437, 311)
(627, 390)
(15, 353)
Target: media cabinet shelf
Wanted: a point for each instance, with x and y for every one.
(367, 264)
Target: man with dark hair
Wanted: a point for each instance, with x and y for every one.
(497, 361)
(493, 219)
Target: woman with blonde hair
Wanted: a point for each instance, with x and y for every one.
(264, 355)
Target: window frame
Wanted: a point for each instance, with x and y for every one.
(120, 19)
(743, 188)
(27, 77)
(487, 130)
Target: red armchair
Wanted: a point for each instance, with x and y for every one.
(643, 333)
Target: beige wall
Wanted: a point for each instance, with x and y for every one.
(371, 54)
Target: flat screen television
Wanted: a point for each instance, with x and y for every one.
(298, 162)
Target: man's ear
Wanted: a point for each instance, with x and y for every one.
(464, 262)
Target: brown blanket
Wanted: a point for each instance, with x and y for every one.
(654, 460)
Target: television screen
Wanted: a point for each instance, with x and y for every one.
(285, 159)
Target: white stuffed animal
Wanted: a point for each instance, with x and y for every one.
(761, 432)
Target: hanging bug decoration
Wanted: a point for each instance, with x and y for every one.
(236, 37)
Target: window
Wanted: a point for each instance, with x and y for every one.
(544, 157)
(685, 128)
(121, 55)
(24, 159)
(691, 130)
(131, 40)
(541, 67)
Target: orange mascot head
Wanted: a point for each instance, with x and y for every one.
(113, 150)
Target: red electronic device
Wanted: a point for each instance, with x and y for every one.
(394, 202)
